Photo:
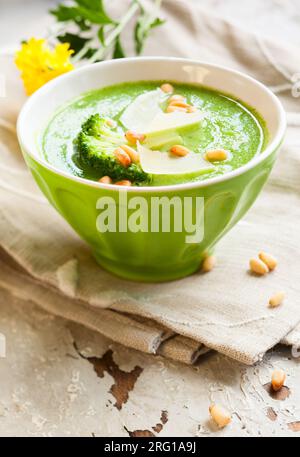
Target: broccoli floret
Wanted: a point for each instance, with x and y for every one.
(99, 127)
(96, 144)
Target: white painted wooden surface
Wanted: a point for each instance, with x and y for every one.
(48, 382)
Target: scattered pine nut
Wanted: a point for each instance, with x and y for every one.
(216, 155)
(192, 109)
(167, 88)
(105, 180)
(134, 156)
(178, 150)
(133, 137)
(278, 379)
(177, 98)
(220, 415)
(122, 157)
(171, 109)
(258, 267)
(276, 300)
(124, 182)
(111, 123)
(180, 104)
(209, 263)
(268, 259)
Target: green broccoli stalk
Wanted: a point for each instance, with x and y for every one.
(96, 144)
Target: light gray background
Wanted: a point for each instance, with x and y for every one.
(276, 18)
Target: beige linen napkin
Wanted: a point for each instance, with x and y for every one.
(43, 261)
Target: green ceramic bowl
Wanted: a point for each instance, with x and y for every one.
(150, 255)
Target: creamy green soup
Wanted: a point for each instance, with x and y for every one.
(226, 124)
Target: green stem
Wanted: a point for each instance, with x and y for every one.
(82, 52)
(156, 8)
(115, 33)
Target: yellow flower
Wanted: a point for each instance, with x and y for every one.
(39, 64)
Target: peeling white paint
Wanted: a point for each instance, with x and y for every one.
(49, 388)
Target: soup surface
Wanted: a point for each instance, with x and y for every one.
(215, 132)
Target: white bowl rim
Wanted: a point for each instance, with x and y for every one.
(271, 147)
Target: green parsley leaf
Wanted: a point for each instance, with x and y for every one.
(94, 24)
(143, 27)
(118, 52)
(83, 10)
(76, 41)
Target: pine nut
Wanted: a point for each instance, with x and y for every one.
(179, 150)
(177, 98)
(209, 263)
(220, 415)
(134, 156)
(278, 379)
(133, 137)
(192, 109)
(258, 267)
(276, 300)
(216, 155)
(105, 180)
(124, 182)
(167, 88)
(171, 109)
(268, 259)
(122, 157)
(111, 123)
(180, 104)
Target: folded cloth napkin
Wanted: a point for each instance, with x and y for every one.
(43, 261)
